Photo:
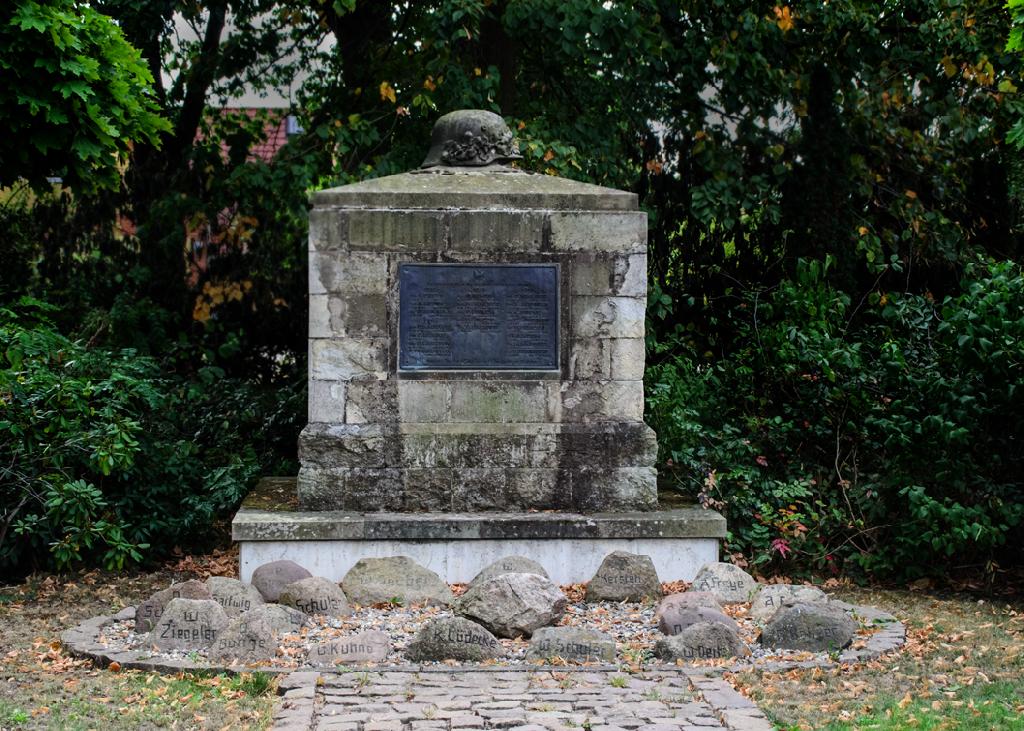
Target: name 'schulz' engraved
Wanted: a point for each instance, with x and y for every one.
(470, 317)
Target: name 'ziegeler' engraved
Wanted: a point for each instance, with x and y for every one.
(487, 316)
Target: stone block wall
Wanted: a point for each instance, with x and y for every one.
(380, 439)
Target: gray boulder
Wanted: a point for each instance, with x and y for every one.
(147, 614)
(233, 595)
(701, 641)
(624, 576)
(282, 620)
(773, 597)
(676, 619)
(730, 583)
(368, 646)
(454, 638)
(189, 624)
(809, 627)
(315, 595)
(571, 643)
(688, 599)
(245, 640)
(513, 605)
(377, 580)
(509, 565)
(271, 577)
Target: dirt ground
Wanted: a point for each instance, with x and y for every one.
(963, 666)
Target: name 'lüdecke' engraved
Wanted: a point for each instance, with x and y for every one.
(479, 317)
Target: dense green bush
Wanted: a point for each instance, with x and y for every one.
(105, 454)
(882, 434)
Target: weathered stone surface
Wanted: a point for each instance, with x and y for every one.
(148, 612)
(608, 317)
(618, 232)
(315, 595)
(688, 599)
(727, 581)
(375, 580)
(769, 599)
(256, 522)
(282, 620)
(245, 639)
(675, 619)
(571, 643)
(189, 624)
(367, 646)
(513, 605)
(343, 445)
(596, 401)
(624, 576)
(453, 638)
(271, 577)
(348, 358)
(233, 595)
(509, 565)
(809, 627)
(701, 641)
(326, 402)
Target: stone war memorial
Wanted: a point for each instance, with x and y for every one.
(476, 364)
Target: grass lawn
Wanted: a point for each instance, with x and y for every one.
(962, 669)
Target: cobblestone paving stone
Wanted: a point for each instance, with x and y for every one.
(664, 700)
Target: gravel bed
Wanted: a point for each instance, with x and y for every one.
(633, 626)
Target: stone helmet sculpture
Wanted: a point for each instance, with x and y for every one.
(471, 138)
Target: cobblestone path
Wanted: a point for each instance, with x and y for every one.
(512, 701)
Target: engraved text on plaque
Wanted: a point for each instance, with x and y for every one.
(478, 317)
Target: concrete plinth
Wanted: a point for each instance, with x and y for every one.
(570, 546)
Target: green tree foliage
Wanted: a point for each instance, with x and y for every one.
(74, 95)
(103, 452)
(760, 138)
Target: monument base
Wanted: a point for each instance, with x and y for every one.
(269, 526)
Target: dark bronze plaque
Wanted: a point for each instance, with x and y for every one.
(478, 317)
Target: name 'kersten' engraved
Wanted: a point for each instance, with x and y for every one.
(478, 317)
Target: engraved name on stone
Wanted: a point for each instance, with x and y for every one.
(560, 647)
(713, 582)
(463, 637)
(486, 316)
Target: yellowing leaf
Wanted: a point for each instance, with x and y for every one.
(549, 155)
(387, 92)
(477, 71)
(784, 18)
(910, 194)
(948, 66)
(428, 83)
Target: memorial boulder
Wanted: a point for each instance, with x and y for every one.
(769, 599)
(188, 624)
(728, 582)
(148, 613)
(509, 565)
(396, 578)
(366, 646)
(702, 641)
(282, 620)
(245, 639)
(315, 595)
(233, 595)
(675, 619)
(513, 605)
(571, 643)
(809, 627)
(624, 576)
(453, 638)
(271, 577)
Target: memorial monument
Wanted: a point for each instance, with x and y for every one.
(476, 361)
